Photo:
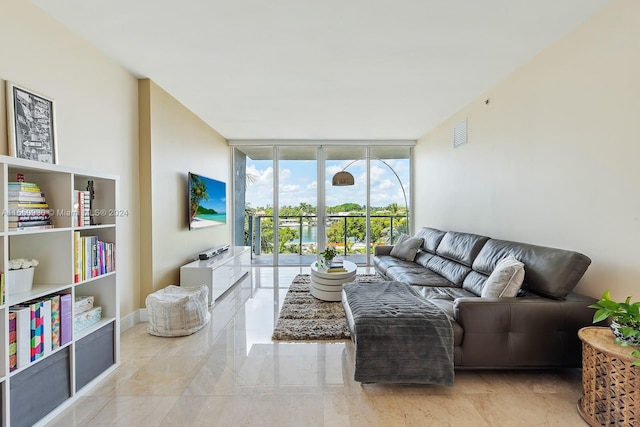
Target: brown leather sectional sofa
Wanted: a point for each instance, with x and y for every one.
(536, 329)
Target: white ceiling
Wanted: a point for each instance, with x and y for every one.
(324, 69)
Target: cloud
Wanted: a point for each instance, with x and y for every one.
(290, 188)
(260, 176)
(285, 174)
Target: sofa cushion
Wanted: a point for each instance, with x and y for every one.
(406, 247)
(474, 282)
(453, 271)
(440, 292)
(432, 238)
(420, 276)
(548, 271)
(423, 257)
(461, 247)
(505, 280)
(384, 262)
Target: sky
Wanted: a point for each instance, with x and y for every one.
(298, 183)
(217, 195)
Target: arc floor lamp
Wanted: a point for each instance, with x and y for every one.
(344, 178)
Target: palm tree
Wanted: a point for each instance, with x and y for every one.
(198, 194)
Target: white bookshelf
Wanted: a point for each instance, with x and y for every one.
(37, 392)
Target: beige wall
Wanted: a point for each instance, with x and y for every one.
(177, 142)
(96, 113)
(553, 159)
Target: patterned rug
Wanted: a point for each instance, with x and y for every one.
(306, 318)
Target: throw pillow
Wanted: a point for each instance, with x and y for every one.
(406, 247)
(505, 280)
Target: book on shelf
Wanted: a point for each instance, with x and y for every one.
(23, 186)
(77, 258)
(45, 312)
(83, 206)
(13, 345)
(23, 334)
(25, 196)
(336, 270)
(37, 330)
(34, 330)
(27, 205)
(30, 225)
(26, 218)
(55, 321)
(92, 257)
(31, 228)
(66, 318)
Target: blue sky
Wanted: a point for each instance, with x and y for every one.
(217, 195)
(298, 183)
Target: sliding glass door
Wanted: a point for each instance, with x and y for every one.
(287, 207)
(297, 205)
(346, 205)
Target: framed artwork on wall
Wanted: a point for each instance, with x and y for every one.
(31, 125)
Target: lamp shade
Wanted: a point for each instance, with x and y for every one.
(342, 178)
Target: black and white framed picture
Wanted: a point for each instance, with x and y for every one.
(31, 125)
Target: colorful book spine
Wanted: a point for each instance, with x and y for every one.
(13, 345)
(66, 318)
(94, 257)
(23, 335)
(77, 258)
(37, 330)
(55, 322)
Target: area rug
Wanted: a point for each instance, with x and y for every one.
(306, 318)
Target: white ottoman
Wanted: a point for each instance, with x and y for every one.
(175, 311)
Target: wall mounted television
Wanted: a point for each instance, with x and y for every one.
(207, 202)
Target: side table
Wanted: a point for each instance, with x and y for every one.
(328, 286)
(610, 382)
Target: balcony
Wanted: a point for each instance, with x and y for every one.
(298, 236)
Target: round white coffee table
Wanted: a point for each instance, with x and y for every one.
(328, 286)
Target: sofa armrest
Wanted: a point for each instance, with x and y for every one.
(522, 331)
(382, 250)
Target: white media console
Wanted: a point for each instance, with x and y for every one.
(219, 273)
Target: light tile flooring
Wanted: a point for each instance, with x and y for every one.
(231, 374)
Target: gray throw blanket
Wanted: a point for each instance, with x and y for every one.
(400, 337)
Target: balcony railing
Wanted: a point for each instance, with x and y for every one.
(345, 232)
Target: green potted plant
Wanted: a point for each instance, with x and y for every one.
(329, 254)
(625, 320)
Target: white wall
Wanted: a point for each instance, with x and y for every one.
(96, 112)
(553, 158)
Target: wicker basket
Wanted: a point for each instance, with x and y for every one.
(610, 382)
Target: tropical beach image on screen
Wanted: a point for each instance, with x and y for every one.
(207, 202)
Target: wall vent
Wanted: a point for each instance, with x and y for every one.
(460, 133)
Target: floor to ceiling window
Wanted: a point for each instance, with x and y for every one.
(346, 206)
(297, 203)
(287, 209)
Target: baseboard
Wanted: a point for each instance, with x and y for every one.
(130, 320)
